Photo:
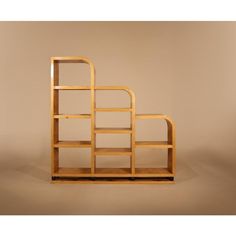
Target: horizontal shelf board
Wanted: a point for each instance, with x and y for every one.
(111, 88)
(113, 109)
(82, 144)
(63, 87)
(150, 116)
(71, 59)
(66, 87)
(113, 151)
(159, 172)
(73, 172)
(113, 130)
(153, 144)
(113, 172)
(72, 116)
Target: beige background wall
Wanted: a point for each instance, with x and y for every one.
(183, 69)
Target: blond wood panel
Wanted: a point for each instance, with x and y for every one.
(113, 109)
(158, 172)
(54, 109)
(112, 171)
(93, 117)
(81, 144)
(113, 151)
(64, 87)
(112, 88)
(71, 59)
(150, 116)
(62, 171)
(113, 130)
(72, 116)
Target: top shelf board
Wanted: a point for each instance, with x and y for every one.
(70, 59)
(150, 116)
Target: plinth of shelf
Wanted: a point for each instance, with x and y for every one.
(153, 144)
(68, 144)
(113, 172)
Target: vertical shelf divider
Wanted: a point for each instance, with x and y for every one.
(54, 123)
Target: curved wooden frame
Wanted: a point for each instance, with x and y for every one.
(164, 175)
(171, 143)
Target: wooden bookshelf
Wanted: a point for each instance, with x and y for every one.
(93, 174)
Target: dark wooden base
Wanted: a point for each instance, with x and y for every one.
(112, 180)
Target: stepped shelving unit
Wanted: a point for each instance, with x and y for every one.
(93, 174)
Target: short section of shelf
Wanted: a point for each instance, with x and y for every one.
(72, 116)
(113, 151)
(68, 144)
(113, 172)
(153, 144)
(113, 130)
(113, 109)
(65, 87)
